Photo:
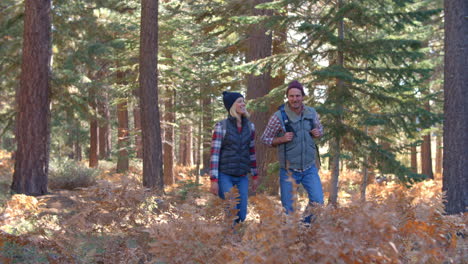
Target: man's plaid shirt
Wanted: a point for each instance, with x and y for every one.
(274, 127)
(216, 143)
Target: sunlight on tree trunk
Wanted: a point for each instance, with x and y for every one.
(150, 120)
(33, 99)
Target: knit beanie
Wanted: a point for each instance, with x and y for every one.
(229, 98)
(297, 85)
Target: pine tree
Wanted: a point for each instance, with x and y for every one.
(33, 98)
(150, 125)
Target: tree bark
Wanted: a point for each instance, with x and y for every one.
(335, 148)
(33, 99)
(169, 118)
(137, 125)
(186, 145)
(104, 127)
(414, 159)
(150, 120)
(438, 159)
(455, 179)
(122, 133)
(259, 47)
(426, 153)
(137, 130)
(93, 130)
(207, 129)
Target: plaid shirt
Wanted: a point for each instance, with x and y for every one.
(274, 127)
(216, 144)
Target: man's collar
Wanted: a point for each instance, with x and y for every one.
(302, 108)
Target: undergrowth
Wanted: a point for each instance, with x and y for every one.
(118, 221)
(69, 174)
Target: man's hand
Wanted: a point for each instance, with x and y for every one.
(254, 184)
(288, 137)
(315, 132)
(214, 188)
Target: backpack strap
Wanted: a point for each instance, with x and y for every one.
(286, 124)
(223, 127)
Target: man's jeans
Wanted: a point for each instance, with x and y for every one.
(226, 182)
(309, 179)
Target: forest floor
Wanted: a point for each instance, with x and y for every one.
(118, 221)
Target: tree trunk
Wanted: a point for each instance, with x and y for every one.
(150, 120)
(335, 152)
(93, 130)
(426, 153)
(137, 125)
(169, 138)
(33, 99)
(438, 161)
(197, 147)
(122, 133)
(77, 151)
(455, 179)
(270, 180)
(137, 130)
(259, 47)
(186, 145)
(414, 159)
(335, 148)
(207, 130)
(365, 174)
(104, 127)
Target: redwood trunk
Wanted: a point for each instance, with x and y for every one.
(259, 47)
(150, 120)
(455, 179)
(33, 99)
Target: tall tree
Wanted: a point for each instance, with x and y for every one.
(122, 133)
(104, 126)
(169, 119)
(93, 129)
(259, 46)
(33, 98)
(150, 121)
(426, 153)
(455, 179)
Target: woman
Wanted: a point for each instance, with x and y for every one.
(233, 153)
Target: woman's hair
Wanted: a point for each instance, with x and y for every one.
(234, 113)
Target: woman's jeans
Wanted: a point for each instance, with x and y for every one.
(309, 179)
(226, 182)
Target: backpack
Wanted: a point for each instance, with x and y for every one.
(288, 128)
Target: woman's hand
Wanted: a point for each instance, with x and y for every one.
(214, 188)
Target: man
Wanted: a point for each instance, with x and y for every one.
(292, 129)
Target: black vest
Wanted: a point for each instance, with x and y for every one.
(234, 158)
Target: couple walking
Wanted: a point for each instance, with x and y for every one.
(291, 130)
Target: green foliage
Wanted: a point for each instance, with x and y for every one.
(186, 188)
(69, 174)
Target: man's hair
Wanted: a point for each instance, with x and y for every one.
(295, 84)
